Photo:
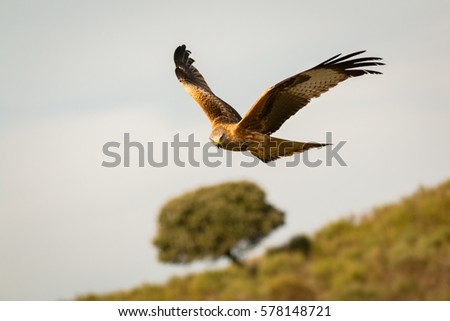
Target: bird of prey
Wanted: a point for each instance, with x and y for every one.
(278, 103)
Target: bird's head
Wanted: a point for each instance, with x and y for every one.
(218, 136)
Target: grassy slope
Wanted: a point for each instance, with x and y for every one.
(398, 252)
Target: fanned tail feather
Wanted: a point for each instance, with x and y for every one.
(275, 148)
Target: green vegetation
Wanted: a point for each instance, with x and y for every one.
(398, 252)
(222, 220)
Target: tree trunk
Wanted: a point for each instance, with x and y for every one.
(234, 258)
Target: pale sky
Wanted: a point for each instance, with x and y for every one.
(77, 74)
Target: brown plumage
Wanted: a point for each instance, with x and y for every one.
(278, 103)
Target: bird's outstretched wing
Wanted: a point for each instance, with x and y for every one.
(284, 99)
(215, 108)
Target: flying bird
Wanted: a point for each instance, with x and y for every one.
(278, 103)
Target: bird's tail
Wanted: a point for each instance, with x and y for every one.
(275, 148)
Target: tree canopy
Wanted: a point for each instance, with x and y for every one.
(222, 220)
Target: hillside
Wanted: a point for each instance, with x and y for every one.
(399, 251)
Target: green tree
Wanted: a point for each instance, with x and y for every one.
(222, 220)
(300, 243)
